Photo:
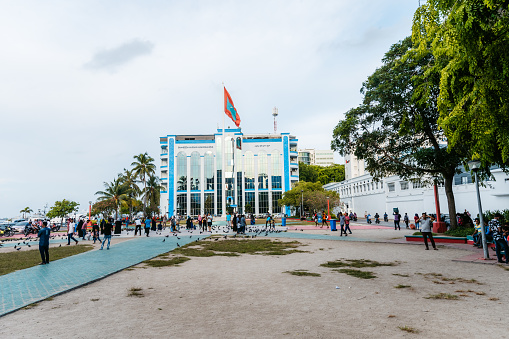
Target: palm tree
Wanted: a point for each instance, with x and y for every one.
(26, 210)
(153, 190)
(129, 179)
(143, 168)
(116, 191)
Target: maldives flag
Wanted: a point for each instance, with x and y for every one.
(229, 108)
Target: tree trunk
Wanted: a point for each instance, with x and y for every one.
(450, 199)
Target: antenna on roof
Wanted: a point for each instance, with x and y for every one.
(275, 114)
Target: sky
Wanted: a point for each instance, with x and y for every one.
(86, 85)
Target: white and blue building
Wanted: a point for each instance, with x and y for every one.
(206, 173)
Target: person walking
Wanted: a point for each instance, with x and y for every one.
(315, 218)
(209, 222)
(426, 222)
(147, 226)
(79, 229)
(406, 220)
(137, 226)
(385, 217)
(347, 224)
(95, 232)
(70, 232)
(84, 229)
(228, 220)
(43, 235)
(324, 220)
(342, 223)
(243, 224)
(153, 224)
(107, 234)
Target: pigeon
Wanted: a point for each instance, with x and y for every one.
(166, 236)
(216, 239)
(178, 245)
(190, 236)
(178, 238)
(164, 240)
(60, 245)
(225, 236)
(17, 249)
(29, 245)
(14, 246)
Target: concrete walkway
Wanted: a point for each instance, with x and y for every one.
(24, 287)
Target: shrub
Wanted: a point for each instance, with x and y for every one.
(460, 232)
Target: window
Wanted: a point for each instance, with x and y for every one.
(416, 184)
(391, 187)
(239, 192)
(182, 204)
(250, 202)
(464, 180)
(263, 178)
(195, 172)
(249, 170)
(275, 197)
(263, 202)
(219, 152)
(219, 191)
(195, 204)
(276, 170)
(181, 172)
(404, 185)
(208, 204)
(209, 171)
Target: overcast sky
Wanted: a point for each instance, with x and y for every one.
(85, 85)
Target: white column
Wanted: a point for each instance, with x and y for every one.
(202, 184)
(188, 188)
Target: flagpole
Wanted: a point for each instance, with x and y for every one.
(223, 178)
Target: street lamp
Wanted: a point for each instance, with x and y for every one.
(301, 202)
(89, 210)
(475, 165)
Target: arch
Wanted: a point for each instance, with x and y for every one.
(209, 170)
(249, 170)
(263, 177)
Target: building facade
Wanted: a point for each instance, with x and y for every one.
(361, 194)
(316, 157)
(207, 173)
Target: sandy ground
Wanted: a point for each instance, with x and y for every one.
(251, 297)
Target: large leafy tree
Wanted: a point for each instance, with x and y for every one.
(471, 38)
(128, 178)
(395, 128)
(312, 194)
(115, 191)
(143, 168)
(322, 174)
(61, 209)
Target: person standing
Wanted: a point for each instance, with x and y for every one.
(137, 226)
(426, 222)
(95, 232)
(153, 224)
(406, 220)
(44, 243)
(147, 226)
(315, 217)
(118, 226)
(107, 234)
(235, 223)
(385, 217)
(200, 223)
(79, 228)
(498, 238)
(324, 220)
(416, 220)
(397, 218)
(209, 221)
(243, 224)
(84, 229)
(228, 219)
(70, 232)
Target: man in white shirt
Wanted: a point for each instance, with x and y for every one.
(70, 232)
(426, 223)
(137, 226)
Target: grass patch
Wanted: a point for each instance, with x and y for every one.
(408, 329)
(135, 292)
(442, 279)
(49, 298)
(494, 299)
(445, 296)
(460, 232)
(234, 247)
(357, 273)
(27, 307)
(402, 286)
(164, 263)
(401, 275)
(419, 233)
(19, 260)
(303, 273)
(129, 269)
(357, 263)
(504, 267)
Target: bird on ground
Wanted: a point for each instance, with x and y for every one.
(178, 245)
(225, 236)
(60, 245)
(166, 236)
(216, 239)
(164, 240)
(29, 245)
(15, 246)
(17, 249)
(178, 238)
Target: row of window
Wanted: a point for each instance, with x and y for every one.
(196, 204)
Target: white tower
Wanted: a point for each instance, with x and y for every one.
(275, 114)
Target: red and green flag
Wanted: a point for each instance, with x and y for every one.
(230, 109)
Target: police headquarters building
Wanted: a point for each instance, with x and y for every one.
(207, 173)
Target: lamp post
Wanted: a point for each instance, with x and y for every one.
(89, 210)
(328, 214)
(301, 202)
(475, 166)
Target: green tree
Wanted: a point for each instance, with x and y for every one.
(26, 210)
(129, 179)
(61, 209)
(395, 128)
(116, 191)
(322, 174)
(313, 194)
(143, 168)
(104, 207)
(152, 193)
(471, 37)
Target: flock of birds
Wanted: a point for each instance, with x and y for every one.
(258, 231)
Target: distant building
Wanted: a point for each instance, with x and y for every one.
(316, 157)
(258, 169)
(361, 194)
